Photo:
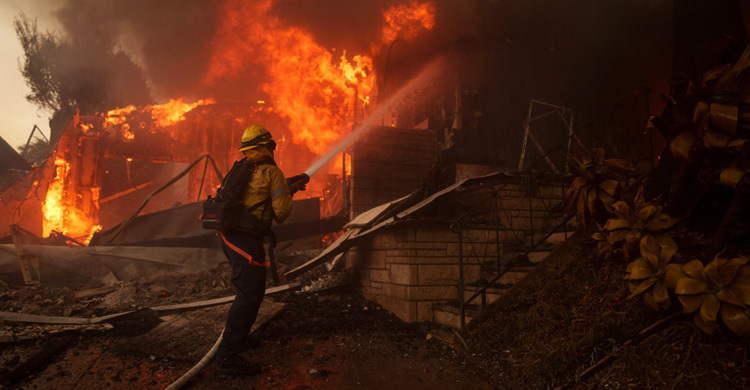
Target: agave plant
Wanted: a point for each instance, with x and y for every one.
(651, 274)
(720, 289)
(597, 184)
(711, 144)
(630, 226)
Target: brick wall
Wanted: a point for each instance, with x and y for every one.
(408, 268)
(389, 163)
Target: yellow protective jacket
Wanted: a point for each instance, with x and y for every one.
(267, 182)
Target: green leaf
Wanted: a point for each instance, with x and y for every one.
(710, 308)
(610, 186)
(617, 236)
(731, 176)
(706, 327)
(694, 269)
(643, 286)
(619, 164)
(682, 145)
(691, 303)
(700, 117)
(724, 117)
(614, 224)
(591, 201)
(667, 245)
(650, 250)
(622, 210)
(661, 296)
(736, 319)
(727, 296)
(660, 222)
(640, 269)
(599, 236)
(729, 269)
(673, 273)
(646, 212)
(712, 270)
(689, 286)
(715, 140)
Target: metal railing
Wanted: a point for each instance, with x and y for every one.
(499, 218)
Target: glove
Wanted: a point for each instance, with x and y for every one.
(298, 183)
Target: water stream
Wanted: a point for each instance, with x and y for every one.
(426, 75)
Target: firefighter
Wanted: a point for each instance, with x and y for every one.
(269, 197)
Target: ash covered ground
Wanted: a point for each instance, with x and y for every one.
(332, 338)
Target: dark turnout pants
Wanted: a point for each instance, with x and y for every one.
(247, 256)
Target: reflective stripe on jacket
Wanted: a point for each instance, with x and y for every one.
(267, 182)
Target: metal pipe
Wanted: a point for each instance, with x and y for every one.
(203, 178)
(531, 209)
(461, 276)
(497, 229)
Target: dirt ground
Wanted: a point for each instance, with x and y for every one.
(327, 340)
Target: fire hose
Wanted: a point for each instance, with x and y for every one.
(198, 367)
(298, 182)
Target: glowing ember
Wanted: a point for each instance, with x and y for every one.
(86, 127)
(60, 211)
(126, 133)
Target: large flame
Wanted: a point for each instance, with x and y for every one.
(60, 210)
(306, 84)
(317, 90)
(163, 115)
(174, 111)
(407, 20)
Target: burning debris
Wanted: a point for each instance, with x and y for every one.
(407, 119)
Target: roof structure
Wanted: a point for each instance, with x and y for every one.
(12, 165)
(10, 159)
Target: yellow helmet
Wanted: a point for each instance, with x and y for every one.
(256, 135)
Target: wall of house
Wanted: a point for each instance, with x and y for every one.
(406, 269)
(389, 163)
(409, 267)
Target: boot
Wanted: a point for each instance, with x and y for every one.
(252, 342)
(236, 365)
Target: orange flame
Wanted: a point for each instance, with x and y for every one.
(174, 111)
(126, 133)
(60, 211)
(407, 20)
(305, 84)
(163, 115)
(118, 116)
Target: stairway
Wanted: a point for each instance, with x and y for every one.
(449, 313)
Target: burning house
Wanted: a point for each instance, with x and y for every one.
(439, 138)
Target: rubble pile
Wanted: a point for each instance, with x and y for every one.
(117, 297)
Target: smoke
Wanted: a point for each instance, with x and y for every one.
(587, 54)
(168, 39)
(557, 41)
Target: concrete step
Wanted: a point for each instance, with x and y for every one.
(450, 314)
(491, 294)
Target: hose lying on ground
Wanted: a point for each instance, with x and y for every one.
(198, 367)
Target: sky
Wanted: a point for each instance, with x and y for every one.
(17, 116)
